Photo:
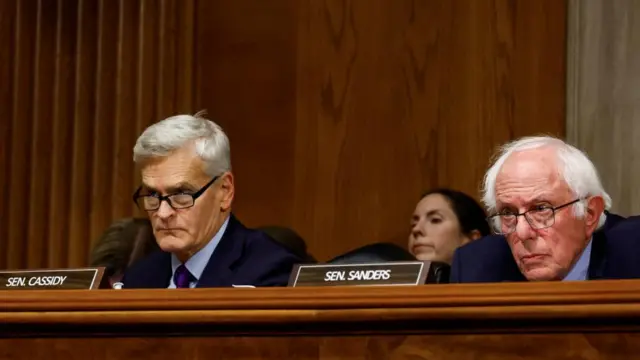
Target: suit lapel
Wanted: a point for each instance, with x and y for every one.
(512, 272)
(598, 260)
(509, 272)
(158, 272)
(218, 272)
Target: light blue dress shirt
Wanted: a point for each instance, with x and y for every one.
(199, 260)
(580, 270)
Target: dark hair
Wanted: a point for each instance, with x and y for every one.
(123, 243)
(470, 214)
(290, 240)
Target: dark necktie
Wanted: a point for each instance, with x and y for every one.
(182, 277)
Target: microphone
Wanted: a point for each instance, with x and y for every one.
(117, 285)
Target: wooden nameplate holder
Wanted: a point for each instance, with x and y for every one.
(387, 273)
(50, 279)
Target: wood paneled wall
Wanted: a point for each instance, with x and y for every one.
(340, 113)
(79, 80)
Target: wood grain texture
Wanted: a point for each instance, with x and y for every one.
(572, 346)
(247, 71)
(80, 79)
(603, 96)
(513, 302)
(368, 103)
(581, 320)
(340, 113)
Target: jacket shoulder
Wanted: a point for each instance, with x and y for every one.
(264, 262)
(489, 245)
(623, 249)
(487, 259)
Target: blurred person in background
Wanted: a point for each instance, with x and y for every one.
(443, 220)
(121, 245)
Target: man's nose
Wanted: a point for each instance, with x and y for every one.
(523, 231)
(165, 210)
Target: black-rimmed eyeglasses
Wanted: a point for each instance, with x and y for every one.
(177, 201)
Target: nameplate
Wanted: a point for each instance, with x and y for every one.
(388, 273)
(49, 279)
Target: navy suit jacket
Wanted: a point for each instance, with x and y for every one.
(242, 257)
(615, 254)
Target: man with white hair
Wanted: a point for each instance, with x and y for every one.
(549, 213)
(187, 190)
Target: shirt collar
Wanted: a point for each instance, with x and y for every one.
(580, 270)
(199, 260)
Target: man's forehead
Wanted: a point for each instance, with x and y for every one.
(168, 173)
(528, 167)
(518, 193)
(163, 182)
(526, 198)
(529, 177)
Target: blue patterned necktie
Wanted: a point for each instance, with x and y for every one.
(182, 277)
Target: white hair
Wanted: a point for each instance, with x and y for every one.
(573, 165)
(173, 133)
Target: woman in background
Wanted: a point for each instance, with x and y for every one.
(443, 220)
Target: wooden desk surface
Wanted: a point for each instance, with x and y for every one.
(577, 320)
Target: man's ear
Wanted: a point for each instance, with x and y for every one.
(228, 191)
(594, 209)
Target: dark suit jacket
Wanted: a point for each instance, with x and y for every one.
(615, 254)
(242, 257)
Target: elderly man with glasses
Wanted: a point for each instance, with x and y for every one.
(549, 213)
(187, 190)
